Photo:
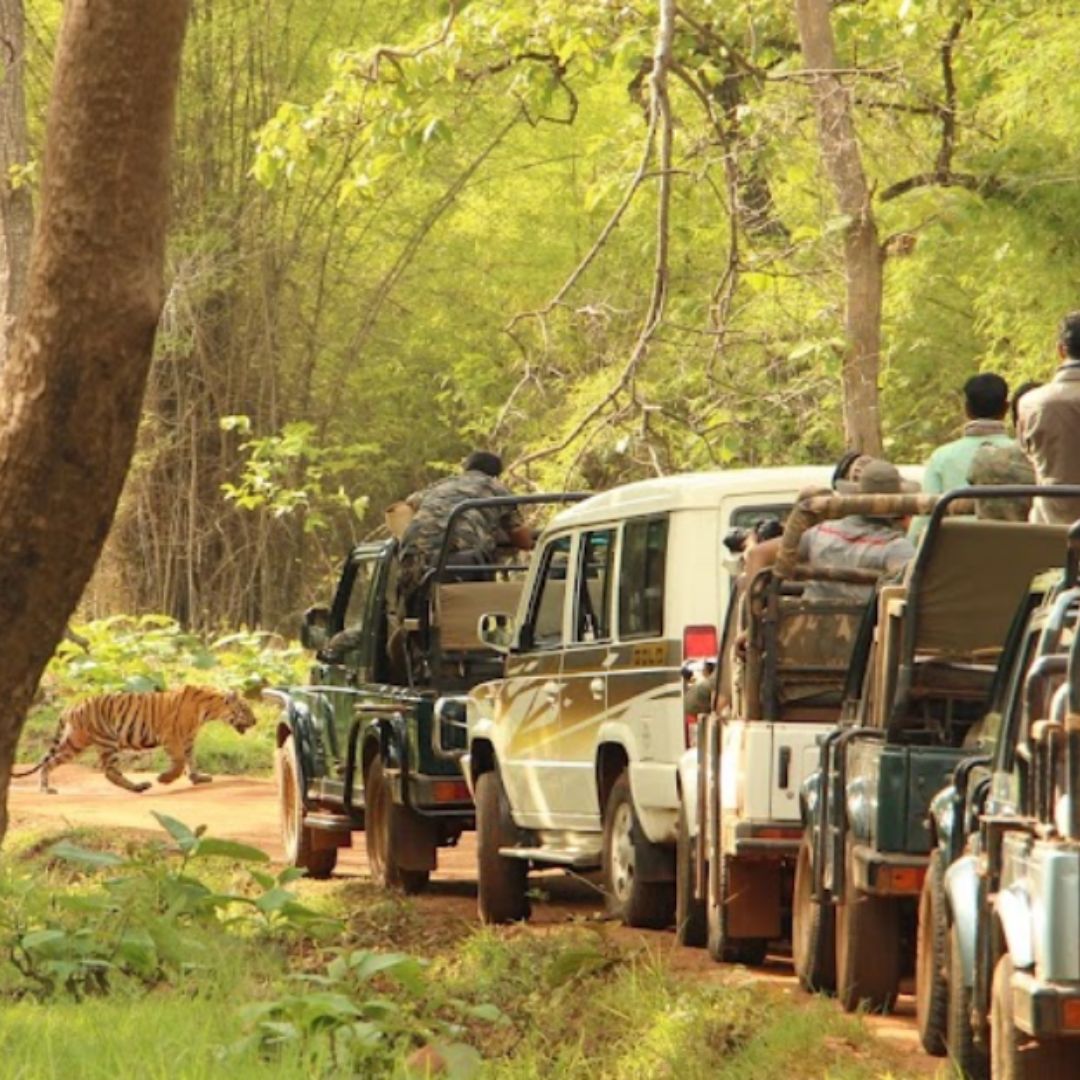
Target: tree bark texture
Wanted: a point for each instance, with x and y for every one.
(863, 257)
(72, 387)
(16, 205)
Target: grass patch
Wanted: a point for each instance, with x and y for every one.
(395, 987)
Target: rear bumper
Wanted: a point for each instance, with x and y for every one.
(882, 873)
(1046, 1010)
(778, 839)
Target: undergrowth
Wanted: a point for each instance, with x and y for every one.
(188, 957)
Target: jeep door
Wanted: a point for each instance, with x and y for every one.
(530, 693)
(356, 608)
(586, 662)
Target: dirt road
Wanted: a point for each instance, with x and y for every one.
(245, 809)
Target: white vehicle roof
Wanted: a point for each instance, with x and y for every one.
(695, 491)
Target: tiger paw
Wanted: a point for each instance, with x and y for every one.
(167, 777)
(144, 786)
(200, 778)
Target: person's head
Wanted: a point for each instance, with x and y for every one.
(986, 397)
(847, 468)
(994, 465)
(1069, 336)
(484, 461)
(1018, 393)
(877, 477)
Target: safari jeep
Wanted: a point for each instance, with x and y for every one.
(1012, 895)
(784, 664)
(573, 754)
(943, 984)
(920, 680)
(358, 748)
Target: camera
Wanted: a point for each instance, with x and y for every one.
(765, 529)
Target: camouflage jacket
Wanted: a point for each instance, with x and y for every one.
(480, 530)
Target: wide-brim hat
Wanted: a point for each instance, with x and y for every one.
(876, 477)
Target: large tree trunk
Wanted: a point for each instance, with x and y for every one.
(863, 256)
(16, 207)
(72, 386)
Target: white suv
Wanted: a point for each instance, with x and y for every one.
(573, 756)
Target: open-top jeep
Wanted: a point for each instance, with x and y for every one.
(943, 999)
(920, 678)
(783, 664)
(360, 746)
(1012, 890)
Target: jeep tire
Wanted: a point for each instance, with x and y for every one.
(383, 821)
(965, 1055)
(298, 839)
(502, 883)
(813, 929)
(690, 925)
(932, 959)
(635, 902)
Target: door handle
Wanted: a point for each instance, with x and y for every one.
(784, 767)
(596, 688)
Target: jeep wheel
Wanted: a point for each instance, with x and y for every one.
(502, 883)
(931, 960)
(690, 926)
(867, 946)
(1015, 1056)
(636, 902)
(964, 1053)
(298, 839)
(383, 818)
(749, 951)
(813, 930)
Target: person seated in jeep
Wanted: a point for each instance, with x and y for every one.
(477, 533)
(854, 542)
(993, 465)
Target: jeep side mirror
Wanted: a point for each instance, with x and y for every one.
(315, 629)
(496, 631)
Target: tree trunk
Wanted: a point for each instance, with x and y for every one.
(73, 383)
(16, 206)
(863, 257)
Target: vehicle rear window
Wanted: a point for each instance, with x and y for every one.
(746, 517)
(641, 578)
(356, 611)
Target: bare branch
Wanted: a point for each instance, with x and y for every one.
(660, 121)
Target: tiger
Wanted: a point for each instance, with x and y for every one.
(116, 722)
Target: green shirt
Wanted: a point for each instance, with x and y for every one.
(947, 467)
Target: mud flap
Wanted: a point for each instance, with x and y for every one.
(753, 899)
(653, 862)
(413, 839)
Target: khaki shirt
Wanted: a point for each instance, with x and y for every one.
(1050, 435)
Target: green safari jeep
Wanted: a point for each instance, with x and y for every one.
(361, 747)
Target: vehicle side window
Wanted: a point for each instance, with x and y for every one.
(547, 613)
(641, 578)
(592, 618)
(356, 609)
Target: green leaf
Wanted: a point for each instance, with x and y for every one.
(228, 849)
(70, 852)
(183, 836)
(40, 939)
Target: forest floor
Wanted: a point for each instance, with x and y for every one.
(244, 809)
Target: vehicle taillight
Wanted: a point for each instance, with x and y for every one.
(699, 643)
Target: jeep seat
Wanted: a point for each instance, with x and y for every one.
(459, 605)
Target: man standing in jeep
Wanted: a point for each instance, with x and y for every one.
(477, 533)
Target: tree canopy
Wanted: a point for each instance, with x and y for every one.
(401, 231)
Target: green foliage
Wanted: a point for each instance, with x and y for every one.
(143, 919)
(291, 474)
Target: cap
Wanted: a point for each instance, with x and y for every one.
(876, 477)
